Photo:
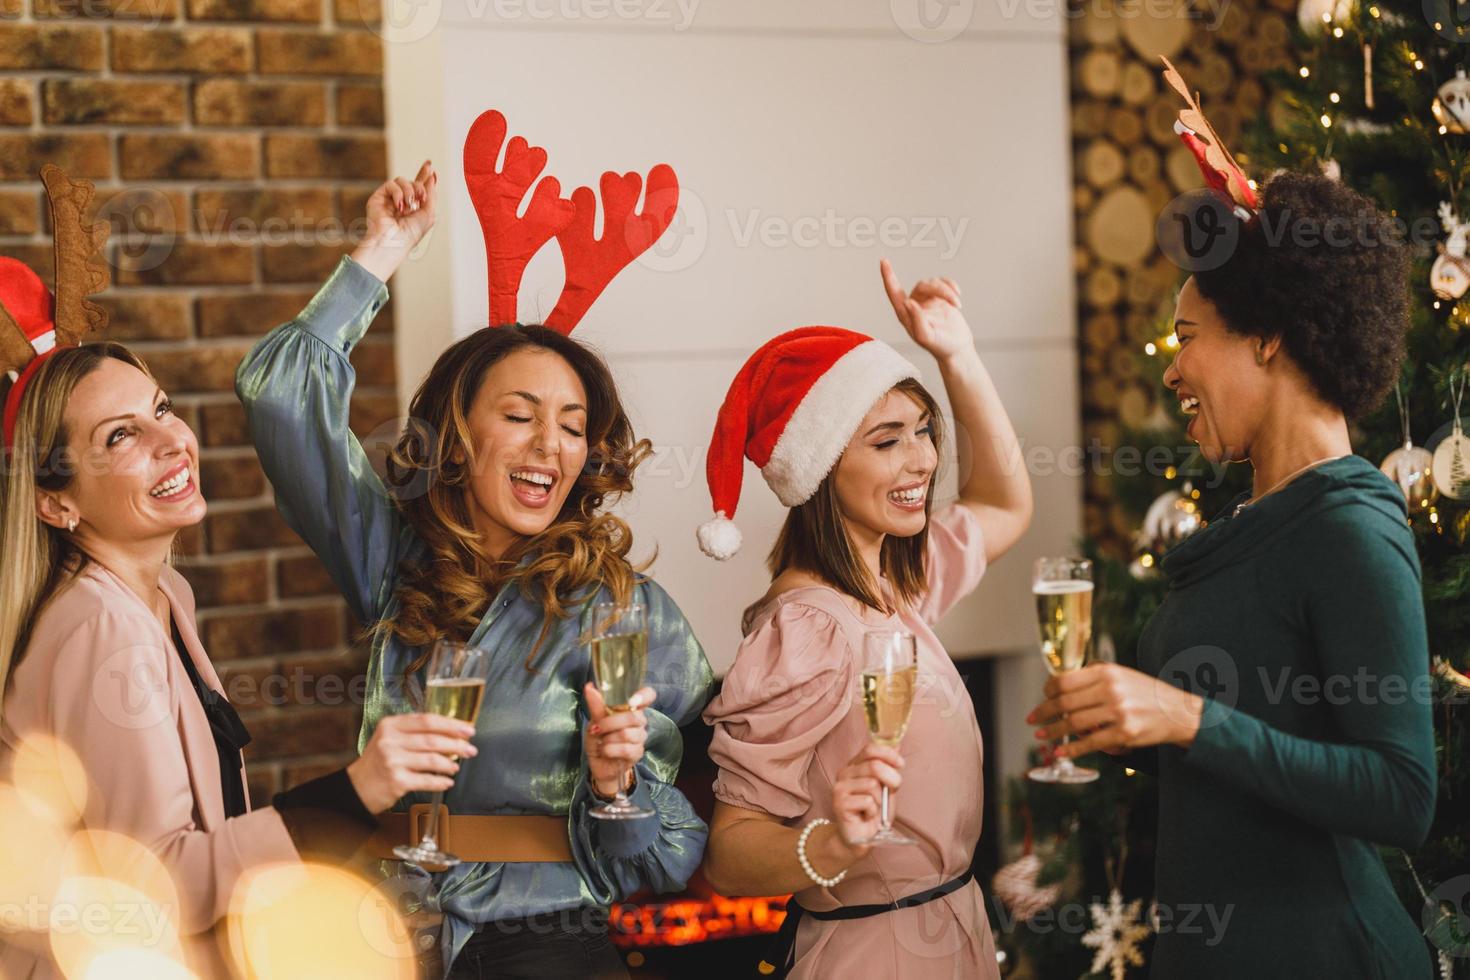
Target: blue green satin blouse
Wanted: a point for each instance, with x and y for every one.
(296, 385)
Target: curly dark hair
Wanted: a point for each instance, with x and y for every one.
(585, 547)
(1327, 271)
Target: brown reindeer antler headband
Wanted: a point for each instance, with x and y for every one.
(34, 323)
(1215, 162)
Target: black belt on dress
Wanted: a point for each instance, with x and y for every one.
(781, 956)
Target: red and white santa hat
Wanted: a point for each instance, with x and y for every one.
(792, 410)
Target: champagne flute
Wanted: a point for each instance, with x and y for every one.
(1063, 590)
(890, 674)
(455, 688)
(619, 661)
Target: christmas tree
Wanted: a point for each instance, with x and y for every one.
(1379, 98)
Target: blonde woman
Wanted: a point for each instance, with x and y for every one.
(98, 645)
(496, 533)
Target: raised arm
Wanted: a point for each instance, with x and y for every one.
(296, 385)
(995, 485)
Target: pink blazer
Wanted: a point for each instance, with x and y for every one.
(100, 674)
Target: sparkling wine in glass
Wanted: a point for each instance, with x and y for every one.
(455, 688)
(1063, 589)
(619, 661)
(890, 674)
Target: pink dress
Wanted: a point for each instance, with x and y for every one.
(789, 717)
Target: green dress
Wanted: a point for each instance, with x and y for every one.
(1302, 624)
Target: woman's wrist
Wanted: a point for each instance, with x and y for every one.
(830, 854)
(608, 791)
(1190, 712)
(961, 365)
(382, 255)
(358, 780)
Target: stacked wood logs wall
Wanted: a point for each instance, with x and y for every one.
(1128, 165)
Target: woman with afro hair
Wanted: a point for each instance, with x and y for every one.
(1280, 690)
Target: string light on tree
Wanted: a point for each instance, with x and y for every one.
(1315, 15)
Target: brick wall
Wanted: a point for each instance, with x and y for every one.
(233, 143)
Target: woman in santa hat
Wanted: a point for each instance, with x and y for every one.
(850, 440)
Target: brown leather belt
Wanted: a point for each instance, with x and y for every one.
(475, 837)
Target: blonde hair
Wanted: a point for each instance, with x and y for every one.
(584, 548)
(40, 558)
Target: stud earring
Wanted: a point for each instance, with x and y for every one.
(72, 525)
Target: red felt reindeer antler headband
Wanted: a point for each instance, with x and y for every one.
(34, 324)
(1215, 162)
(512, 239)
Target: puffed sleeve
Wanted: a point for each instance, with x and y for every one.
(296, 385)
(954, 562)
(618, 858)
(792, 683)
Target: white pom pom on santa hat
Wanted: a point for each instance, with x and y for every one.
(791, 411)
(719, 538)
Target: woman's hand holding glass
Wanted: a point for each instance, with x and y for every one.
(613, 740)
(1115, 709)
(857, 810)
(412, 753)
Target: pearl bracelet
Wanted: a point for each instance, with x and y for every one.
(807, 865)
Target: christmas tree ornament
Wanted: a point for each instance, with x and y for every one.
(1015, 885)
(1411, 466)
(1171, 518)
(1367, 75)
(1116, 933)
(1446, 671)
(1450, 275)
(1451, 467)
(1451, 106)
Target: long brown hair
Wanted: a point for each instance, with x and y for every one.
(446, 595)
(814, 538)
(40, 558)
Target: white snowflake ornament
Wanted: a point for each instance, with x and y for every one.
(1116, 933)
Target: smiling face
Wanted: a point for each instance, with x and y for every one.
(136, 463)
(528, 424)
(882, 479)
(1217, 380)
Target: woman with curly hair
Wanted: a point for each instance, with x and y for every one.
(1280, 693)
(495, 533)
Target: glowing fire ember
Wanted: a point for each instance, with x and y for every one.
(693, 920)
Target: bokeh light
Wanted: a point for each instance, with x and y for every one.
(314, 920)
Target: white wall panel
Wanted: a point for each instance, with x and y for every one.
(798, 130)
